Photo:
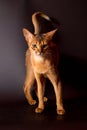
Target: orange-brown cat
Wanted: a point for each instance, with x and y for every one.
(41, 63)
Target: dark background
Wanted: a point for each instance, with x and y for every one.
(15, 113)
(14, 15)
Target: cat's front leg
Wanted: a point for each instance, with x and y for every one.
(55, 80)
(40, 107)
(29, 81)
(59, 103)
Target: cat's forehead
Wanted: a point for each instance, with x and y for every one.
(39, 37)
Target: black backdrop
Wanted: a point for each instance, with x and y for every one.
(16, 14)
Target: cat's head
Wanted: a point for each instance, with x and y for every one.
(40, 43)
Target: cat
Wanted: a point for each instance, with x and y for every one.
(41, 63)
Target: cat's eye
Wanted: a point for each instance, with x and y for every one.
(34, 45)
(44, 46)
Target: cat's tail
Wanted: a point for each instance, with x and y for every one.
(35, 21)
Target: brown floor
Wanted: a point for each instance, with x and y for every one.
(21, 116)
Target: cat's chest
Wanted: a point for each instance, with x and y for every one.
(40, 64)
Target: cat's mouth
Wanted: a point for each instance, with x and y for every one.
(39, 53)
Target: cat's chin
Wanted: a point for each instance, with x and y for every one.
(39, 54)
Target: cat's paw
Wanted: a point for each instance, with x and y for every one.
(32, 102)
(61, 112)
(45, 99)
(39, 110)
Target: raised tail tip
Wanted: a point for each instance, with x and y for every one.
(41, 14)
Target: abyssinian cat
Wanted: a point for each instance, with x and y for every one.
(41, 63)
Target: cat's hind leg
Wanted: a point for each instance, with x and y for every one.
(43, 80)
(44, 83)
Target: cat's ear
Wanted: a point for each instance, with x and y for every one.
(50, 34)
(28, 35)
